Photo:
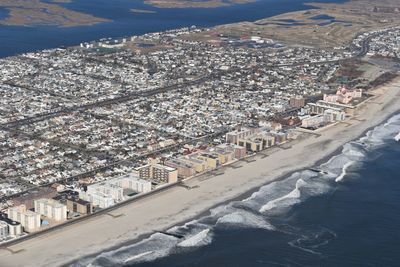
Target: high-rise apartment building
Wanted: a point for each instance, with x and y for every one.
(3, 230)
(158, 173)
(51, 208)
(29, 220)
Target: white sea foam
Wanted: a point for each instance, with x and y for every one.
(293, 198)
(138, 256)
(381, 133)
(156, 246)
(344, 171)
(201, 238)
(397, 137)
(271, 197)
(240, 219)
(311, 240)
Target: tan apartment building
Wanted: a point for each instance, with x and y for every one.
(185, 169)
(80, 206)
(158, 173)
(211, 159)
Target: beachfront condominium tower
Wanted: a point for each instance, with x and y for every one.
(51, 208)
(29, 220)
(3, 230)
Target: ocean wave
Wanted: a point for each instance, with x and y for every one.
(397, 137)
(344, 171)
(256, 210)
(382, 133)
(286, 200)
(156, 246)
(199, 239)
(240, 219)
(138, 256)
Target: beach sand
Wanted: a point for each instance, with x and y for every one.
(178, 204)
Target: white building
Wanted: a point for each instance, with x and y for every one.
(4, 233)
(14, 228)
(98, 199)
(312, 121)
(133, 183)
(107, 188)
(29, 220)
(51, 208)
(106, 194)
(332, 115)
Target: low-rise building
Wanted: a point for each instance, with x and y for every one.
(28, 199)
(79, 205)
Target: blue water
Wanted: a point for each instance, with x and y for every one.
(322, 17)
(349, 215)
(3, 13)
(14, 40)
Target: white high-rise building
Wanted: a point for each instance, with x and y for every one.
(3, 230)
(51, 208)
(98, 199)
(133, 183)
(28, 219)
(107, 188)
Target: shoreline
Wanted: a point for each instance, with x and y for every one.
(241, 197)
(142, 218)
(128, 31)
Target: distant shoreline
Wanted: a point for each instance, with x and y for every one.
(195, 3)
(21, 13)
(145, 11)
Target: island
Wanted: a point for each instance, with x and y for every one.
(36, 12)
(195, 3)
(144, 11)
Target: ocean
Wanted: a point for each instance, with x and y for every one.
(348, 214)
(20, 39)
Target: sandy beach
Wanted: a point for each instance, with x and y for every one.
(178, 204)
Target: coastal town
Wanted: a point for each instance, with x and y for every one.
(85, 129)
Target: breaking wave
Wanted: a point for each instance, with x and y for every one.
(259, 210)
(200, 238)
(287, 200)
(344, 171)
